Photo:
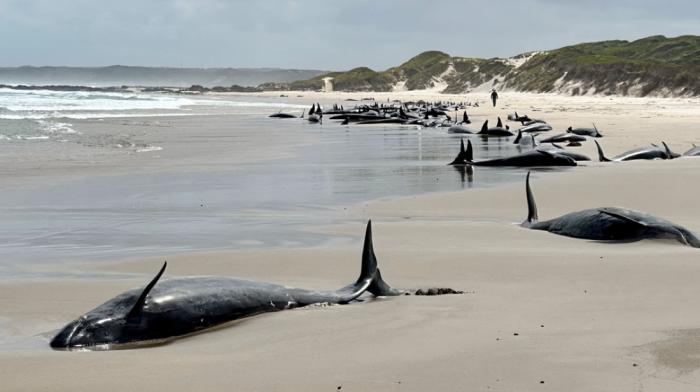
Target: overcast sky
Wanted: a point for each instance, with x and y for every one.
(317, 34)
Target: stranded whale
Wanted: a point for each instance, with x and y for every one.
(181, 306)
(530, 158)
(495, 131)
(592, 132)
(693, 152)
(653, 152)
(608, 223)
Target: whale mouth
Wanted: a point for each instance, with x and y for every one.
(115, 346)
(64, 336)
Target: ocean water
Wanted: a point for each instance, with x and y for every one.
(46, 115)
(268, 205)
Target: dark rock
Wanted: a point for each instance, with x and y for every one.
(240, 89)
(438, 291)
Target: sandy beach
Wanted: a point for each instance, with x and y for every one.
(540, 311)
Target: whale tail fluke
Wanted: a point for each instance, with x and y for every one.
(381, 289)
(531, 206)
(601, 156)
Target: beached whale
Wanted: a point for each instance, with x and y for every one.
(564, 137)
(286, 115)
(460, 129)
(521, 118)
(592, 132)
(693, 152)
(608, 223)
(556, 149)
(516, 117)
(181, 306)
(536, 128)
(652, 152)
(495, 131)
(528, 139)
(530, 158)
(389, 120)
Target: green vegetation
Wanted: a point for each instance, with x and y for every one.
(474, 72)
(362, 79)
(654, 64)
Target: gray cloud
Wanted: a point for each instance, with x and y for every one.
(313, 33)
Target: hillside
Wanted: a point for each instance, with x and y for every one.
(118, 75)
(655, 65)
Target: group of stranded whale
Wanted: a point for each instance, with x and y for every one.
(181, 306)
(421, 113)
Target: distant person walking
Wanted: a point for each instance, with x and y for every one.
(494, 97)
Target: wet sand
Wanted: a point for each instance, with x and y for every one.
(588, 315)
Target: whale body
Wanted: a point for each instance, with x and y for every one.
(181, 306)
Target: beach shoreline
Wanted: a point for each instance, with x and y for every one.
(578, 315)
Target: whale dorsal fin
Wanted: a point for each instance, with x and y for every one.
(484, 128)
(369, 260)
(601, 156)
(500, 123)
(654, 145)
(461, 147)
(624, 217)
(469, 155)
(520, 136)
(669, 154)
(531, 206)
(138, 306)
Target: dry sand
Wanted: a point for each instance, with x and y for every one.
(577, 315)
